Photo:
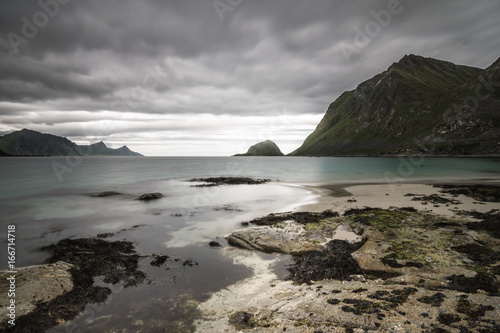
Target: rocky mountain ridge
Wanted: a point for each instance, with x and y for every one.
(418, 106)
(32, 143)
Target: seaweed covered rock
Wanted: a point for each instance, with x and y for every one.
(150, 196)
(217, 181)
(334, 262)
(80, 260)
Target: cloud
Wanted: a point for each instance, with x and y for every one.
(102, 61)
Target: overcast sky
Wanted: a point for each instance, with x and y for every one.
(205, 77)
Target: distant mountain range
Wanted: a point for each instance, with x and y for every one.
(264, 148)
(418, 106)
(32, 143)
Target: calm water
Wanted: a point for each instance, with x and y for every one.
(48, 199)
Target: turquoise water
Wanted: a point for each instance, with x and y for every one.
(48, 199)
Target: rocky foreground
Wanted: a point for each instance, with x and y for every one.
(405, 270)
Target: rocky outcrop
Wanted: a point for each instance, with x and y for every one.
(270, 240)
(33, 284)
(150, 196)
(264, 148)
(418, 106)
(217, 181)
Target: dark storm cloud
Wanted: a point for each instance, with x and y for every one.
(246, 58)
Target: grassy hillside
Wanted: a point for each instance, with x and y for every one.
(411, 108)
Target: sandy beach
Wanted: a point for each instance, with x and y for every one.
(274, 305)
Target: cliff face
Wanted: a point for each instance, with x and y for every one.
(417, 106)
(265, 148)
(31, 143)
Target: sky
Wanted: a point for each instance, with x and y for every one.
(212, 77)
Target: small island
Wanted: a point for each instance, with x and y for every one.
(264, 148)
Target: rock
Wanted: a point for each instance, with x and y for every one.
(190, 263)
(105, 194)
(217, 181)
(158, 260)
(270, 240)
(264, 148)
(34, 284)
(334, 262)
(150, 196)
(214, 244)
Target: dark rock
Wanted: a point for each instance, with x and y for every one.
(436, 199)
(489, 193)
(435, 300)
(333, 301)
(150, 196)
(214, 244)
(116, 261)
(105, 235)
(490, 222)
(359, 290)
(299, 217)
(335, 262)
(217, 181)
(471, 285)
(448, 318)
(241, 320)
(105, 194)
(360, 307)
(189, 262)
(471, 309)
(158, 260)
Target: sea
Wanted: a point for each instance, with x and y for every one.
(50, 198)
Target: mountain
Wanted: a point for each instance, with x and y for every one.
(417, 106)
(2, 153)
(31, 143)
(264, 148)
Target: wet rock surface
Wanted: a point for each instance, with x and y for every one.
(86, 258)
(333, 262)
(150, 196)
(218, 181)
(105, 194)
(412, 271)
(488, 193)
(33, 285)
(299, 217)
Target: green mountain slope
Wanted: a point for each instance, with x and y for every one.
(264, 148)
(2, 153)
(31, 143)
(417, 106)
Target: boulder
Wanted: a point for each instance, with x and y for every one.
(150, 196)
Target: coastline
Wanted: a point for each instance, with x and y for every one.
(306, 301)
(264, 298)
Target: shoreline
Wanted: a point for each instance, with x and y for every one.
(265, 298)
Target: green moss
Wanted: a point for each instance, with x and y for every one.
(9, 275)
(306, 322)
(382, 219)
